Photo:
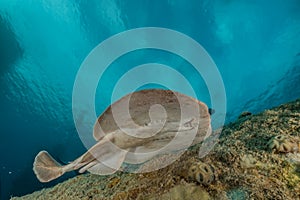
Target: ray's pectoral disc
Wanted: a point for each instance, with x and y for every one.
(135, 129)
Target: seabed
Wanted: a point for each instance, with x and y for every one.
(256, 157)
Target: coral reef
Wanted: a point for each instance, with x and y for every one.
(202, 173)
(239, 167)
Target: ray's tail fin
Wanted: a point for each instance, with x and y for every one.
(47, 168)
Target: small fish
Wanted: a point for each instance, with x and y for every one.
(211, 111)
(187, 122)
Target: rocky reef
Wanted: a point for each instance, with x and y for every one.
(256, 157)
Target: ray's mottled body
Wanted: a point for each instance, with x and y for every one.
(134, 130)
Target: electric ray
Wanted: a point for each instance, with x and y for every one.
(136, 128)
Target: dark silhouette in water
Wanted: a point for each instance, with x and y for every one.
(10, 50)
(0, 187)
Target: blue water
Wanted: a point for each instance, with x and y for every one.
(255, 44)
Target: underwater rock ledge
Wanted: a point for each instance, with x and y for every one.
(256, 157)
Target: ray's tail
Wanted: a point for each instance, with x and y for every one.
(47, 168)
